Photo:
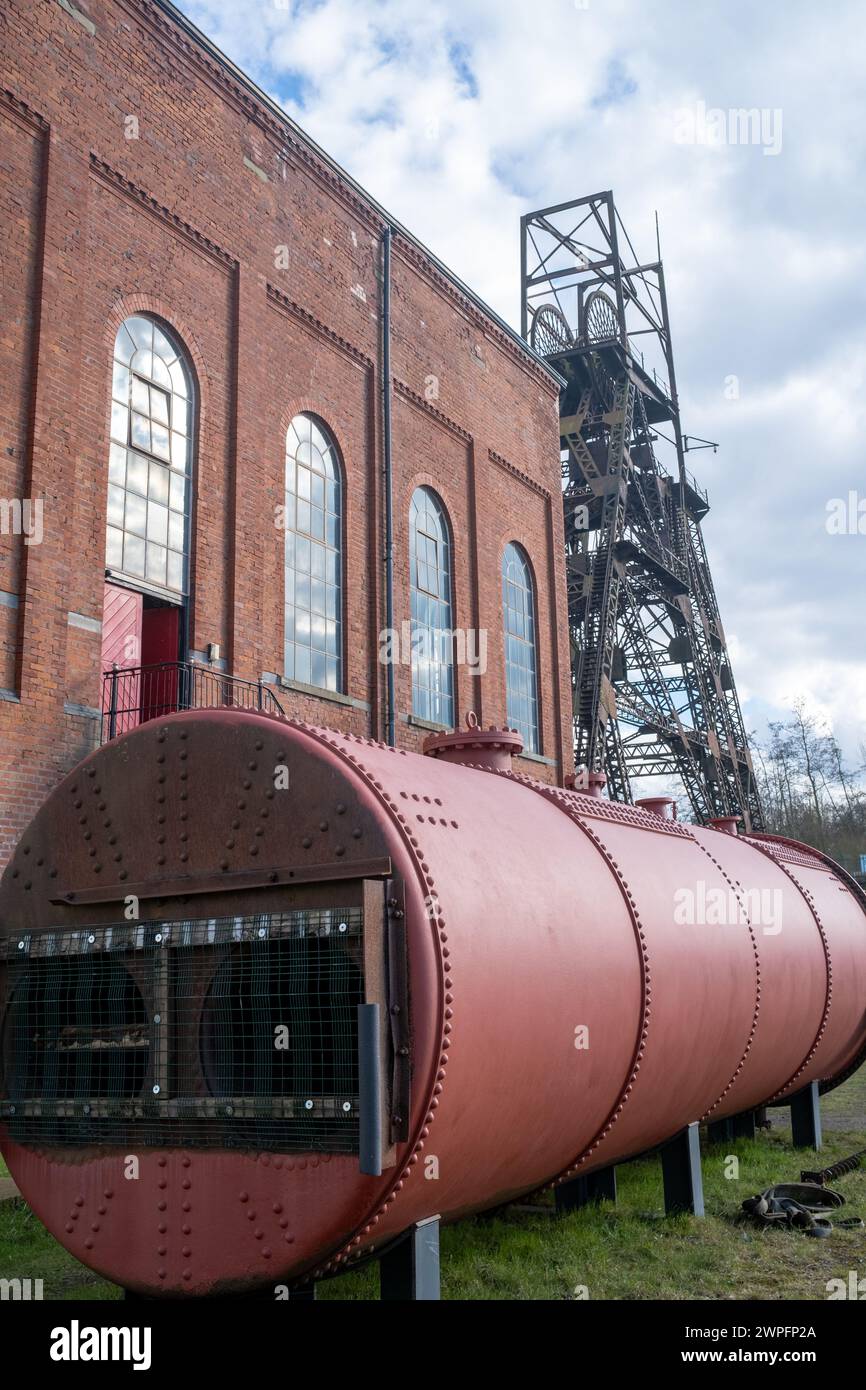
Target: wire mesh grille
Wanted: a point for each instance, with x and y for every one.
(233, 1032)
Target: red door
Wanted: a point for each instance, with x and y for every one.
(160, 635)
(121, 646)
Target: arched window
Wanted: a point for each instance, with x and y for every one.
(151, 457)
(521, 683)
(432, 637)
(313, 556)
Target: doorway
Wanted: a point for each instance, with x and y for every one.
(143, 638)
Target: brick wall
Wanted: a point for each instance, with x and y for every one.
(221, 219)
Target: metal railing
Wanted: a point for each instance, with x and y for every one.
(133, 694)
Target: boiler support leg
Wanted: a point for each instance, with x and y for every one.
(744, 1125)
(740, 1126)
(806, 1118)
(581, 1192)
(410, 1269)
(681, 1173)
(720, 1131)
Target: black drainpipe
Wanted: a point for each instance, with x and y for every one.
(390, 716)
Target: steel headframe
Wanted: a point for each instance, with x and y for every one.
(653, 690)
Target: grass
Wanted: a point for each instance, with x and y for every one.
(627, 1251)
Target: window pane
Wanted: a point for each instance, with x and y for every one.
(133, 555)
(178, 380)
(119, 422)
(115, 506)
(178, 451)
(136, 514)
(302, 664)
(157, 523)
(177, 492)
(117, 464)
(160, 374)
(174, 571)
(156, 557)
(157, 484)
(140, 431)
(141, 331)
(124, 347)
(158, 406)
(120, 383)
(161, 345)
(114, 549)
(318, 668)
(140, 396)
(159, 441)
(136, 473)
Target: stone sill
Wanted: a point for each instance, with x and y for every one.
(335, 696)
(418, 723)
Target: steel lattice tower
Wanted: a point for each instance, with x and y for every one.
(653, 690)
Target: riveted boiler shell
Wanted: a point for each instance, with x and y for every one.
(562, 1014)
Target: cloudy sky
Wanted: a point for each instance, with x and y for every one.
(460, 115)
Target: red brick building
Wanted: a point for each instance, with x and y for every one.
(193, 473)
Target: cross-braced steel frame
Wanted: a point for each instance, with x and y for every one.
(653, 691)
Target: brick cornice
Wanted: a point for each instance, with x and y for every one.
(283, 303)
(433, 411)
(519, 474)
(22, 113)
(113, 179)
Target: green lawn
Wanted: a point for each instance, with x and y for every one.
(622, 1252)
